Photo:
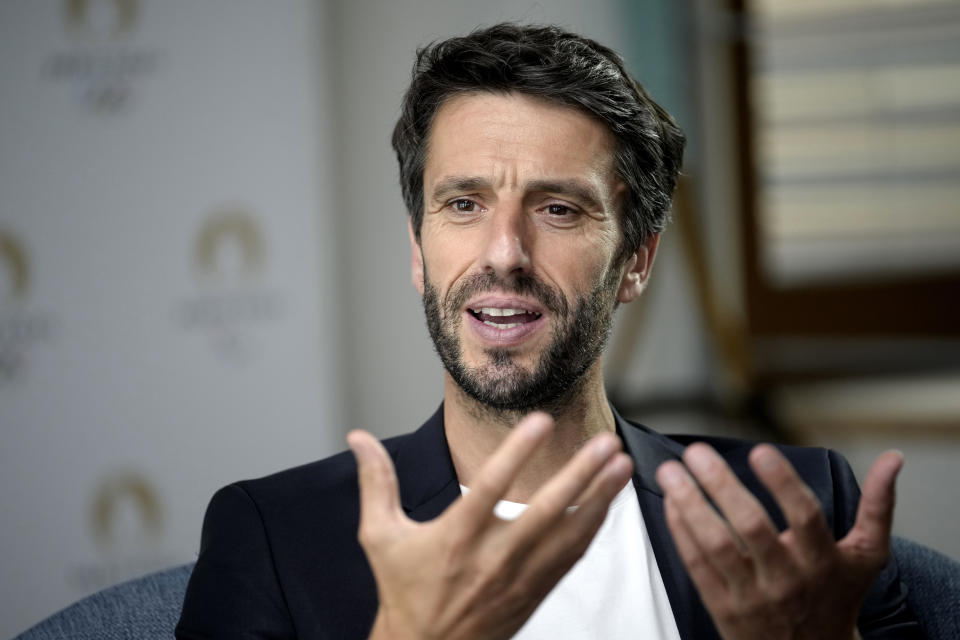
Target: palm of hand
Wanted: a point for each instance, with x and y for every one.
(758, 583)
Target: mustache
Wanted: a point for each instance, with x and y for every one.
(524, 285)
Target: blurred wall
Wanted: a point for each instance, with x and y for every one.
(168, 320)
(888, 389)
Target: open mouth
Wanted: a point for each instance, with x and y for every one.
(504, 318)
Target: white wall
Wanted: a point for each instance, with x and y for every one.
(140, 372)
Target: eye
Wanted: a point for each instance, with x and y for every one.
(558, 209)
(463, 205)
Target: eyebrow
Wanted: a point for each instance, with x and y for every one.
(451, 185)
(582, 192)
(578, 190)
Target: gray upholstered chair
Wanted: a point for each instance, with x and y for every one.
(148, 608)
(933, 583)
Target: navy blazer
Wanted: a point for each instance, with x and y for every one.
(279, 556)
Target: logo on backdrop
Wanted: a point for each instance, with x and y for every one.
(229, 231)
(126, 520)
(125, 490)
(101, 18)
(101, 63)
(232, 305)
(21, 327)
(14, 258)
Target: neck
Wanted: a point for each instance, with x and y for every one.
(474, 431)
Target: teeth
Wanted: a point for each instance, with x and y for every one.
(499, 312)
(502, 326)
(495, 311)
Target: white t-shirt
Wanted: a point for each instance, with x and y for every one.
(614, 591)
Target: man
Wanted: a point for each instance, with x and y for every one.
(538, 176)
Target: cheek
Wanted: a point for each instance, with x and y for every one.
(577, 270)
(443, 270)
(447, 255)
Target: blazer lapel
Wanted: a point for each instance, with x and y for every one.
(648, 450)
(428, 482)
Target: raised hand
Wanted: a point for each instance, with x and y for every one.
(758, 583)
(468, 574)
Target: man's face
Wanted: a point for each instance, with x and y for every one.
(517, 246)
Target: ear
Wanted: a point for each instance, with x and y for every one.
(637, 270)
(416, 258)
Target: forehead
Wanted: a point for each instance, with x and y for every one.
(496, 134)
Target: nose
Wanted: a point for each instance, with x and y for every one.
(507, 252)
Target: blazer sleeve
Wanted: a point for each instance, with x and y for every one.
(884, 614)
(234, 591)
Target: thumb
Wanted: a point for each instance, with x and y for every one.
(379, 492)
(870, 534)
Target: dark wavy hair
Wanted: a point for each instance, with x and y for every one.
(561, 67)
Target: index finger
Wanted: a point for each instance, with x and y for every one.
(582, 477)
(799, 504)
(499, 471)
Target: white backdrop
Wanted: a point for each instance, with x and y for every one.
(167, 315)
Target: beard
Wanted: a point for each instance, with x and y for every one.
(579, 336)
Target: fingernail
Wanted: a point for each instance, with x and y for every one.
(670, 477)
(352, 440)
(535, 425)
(359, 450)
(601, 448)
(621, 467)
(767, 460)
(698, 459)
